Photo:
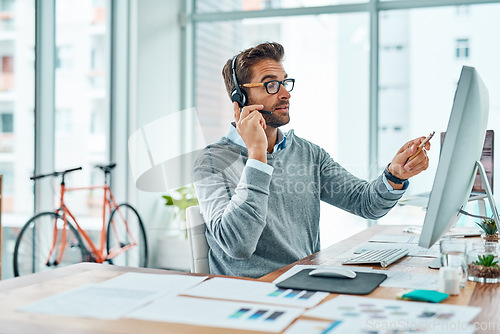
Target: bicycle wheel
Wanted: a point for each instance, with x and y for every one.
(125, 227)
(34, 242)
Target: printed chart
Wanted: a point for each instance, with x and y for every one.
(258, 292)
(218, 313)
(374, 314)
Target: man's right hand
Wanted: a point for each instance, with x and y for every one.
(251, 125)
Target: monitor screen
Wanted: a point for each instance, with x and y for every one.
(487, 159)
(462, 147)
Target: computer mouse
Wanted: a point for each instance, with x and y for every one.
(333, 272)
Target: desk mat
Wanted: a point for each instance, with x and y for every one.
(362, 284)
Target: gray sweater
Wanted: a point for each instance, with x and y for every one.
(258, 223)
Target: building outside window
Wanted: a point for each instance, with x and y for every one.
(462, 48)
(328, 55)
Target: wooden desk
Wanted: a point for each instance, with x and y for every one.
(20, 291)
(485, 296)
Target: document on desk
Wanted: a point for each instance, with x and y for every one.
(258, 292)
(218, 313)
(113, 298)
(318, 327)
(373, 313)
(414, 250)
(407, 280)
(398, 239)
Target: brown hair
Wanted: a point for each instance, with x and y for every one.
(245, 61)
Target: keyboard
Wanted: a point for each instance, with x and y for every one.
(383, 257)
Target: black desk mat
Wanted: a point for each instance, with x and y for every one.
(362, 284)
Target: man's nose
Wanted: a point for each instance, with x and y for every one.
(283, 93)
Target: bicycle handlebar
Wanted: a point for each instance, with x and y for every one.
(40, 176)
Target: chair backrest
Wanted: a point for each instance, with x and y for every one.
(198, 246)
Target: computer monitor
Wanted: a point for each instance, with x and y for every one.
(461, 149)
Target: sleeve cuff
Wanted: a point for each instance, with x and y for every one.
(260, 166)
(391, 189)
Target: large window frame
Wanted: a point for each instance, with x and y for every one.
(190, 18)
(117, 85)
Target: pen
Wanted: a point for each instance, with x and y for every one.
(421, 146)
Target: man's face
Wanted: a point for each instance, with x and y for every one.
(267, 70)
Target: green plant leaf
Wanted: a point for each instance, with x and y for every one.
(486, 261)
(168, 200)
(186, 197)
(488, 225)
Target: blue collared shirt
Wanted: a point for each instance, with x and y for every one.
(235, 137)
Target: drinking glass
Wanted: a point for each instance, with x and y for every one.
(453, 254)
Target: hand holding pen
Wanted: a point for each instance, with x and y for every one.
(421, 146)
(410, 160)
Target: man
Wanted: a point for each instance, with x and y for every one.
(260, 189)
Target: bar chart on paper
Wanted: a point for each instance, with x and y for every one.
(257, 292)
(219, 313)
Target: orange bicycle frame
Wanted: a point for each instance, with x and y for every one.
(108, 205)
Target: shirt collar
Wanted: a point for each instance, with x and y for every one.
(235, 137)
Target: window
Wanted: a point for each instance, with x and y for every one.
(80, 95)
(462, 48)
(417, 73)
(6, 5)
(64, 57)
(417, 87)
(328, 57)
(17, 43)
(7, 122)
(206, 6)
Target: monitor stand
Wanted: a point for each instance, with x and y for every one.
(436, 263)
(489, 194)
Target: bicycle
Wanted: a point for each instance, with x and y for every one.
(54, 238)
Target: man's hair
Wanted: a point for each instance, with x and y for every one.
(245, 61)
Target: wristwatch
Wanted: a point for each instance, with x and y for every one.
(394, 179)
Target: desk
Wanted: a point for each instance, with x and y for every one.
(20, 291)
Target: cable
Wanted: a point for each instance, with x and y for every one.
(470, 214)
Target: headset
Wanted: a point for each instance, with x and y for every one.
(238, 95)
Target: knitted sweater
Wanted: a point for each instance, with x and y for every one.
(258, 223)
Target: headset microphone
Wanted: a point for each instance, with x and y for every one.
(238, 95)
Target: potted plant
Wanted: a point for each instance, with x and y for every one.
(182, 198)
(489, 226)
(485, 268)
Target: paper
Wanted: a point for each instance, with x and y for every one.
(355, 327)
(414, 250)
(258, 292)
(316, 327)
(218, 313)
(153, 282)
(406, 280)
(113, 298)
(92, 301)
(398, 239)
(379, 314)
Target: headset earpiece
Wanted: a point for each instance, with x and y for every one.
(237, 95)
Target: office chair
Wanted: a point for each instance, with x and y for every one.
(198, 246)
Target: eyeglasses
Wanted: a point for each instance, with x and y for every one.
(272, 87)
